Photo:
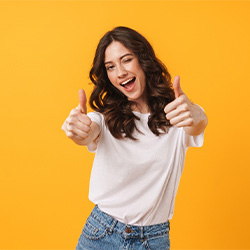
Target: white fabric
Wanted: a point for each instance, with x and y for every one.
(136, 181)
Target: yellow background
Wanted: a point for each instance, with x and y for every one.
(46, 50)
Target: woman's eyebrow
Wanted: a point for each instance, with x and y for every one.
(127, 54)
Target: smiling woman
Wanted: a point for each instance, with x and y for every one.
(125, 73)
(140, 130)
(122, 66)
(122, 54)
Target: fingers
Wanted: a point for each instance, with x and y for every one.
(181, 120)
(82, 102)
(180, 101)
(78, 121)
(75, 133)
(74, 124)
(177, 87)
(77, 126)
(74, 137)
(76, 115)
(179, 111)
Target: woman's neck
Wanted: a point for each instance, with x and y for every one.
(141, 108)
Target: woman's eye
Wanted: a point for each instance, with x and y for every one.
(110, 67)
(128, 60)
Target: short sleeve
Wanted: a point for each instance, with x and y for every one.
(193, 140)
(96, 117)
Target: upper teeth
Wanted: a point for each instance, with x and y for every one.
(127, 81)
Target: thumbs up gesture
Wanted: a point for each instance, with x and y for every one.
(183, 113)
(77, 126)
(82, 102)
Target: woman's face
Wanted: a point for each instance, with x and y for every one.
(125, 72)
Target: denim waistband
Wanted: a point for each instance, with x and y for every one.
(128, 231)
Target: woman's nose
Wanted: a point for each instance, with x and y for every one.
(121, 71)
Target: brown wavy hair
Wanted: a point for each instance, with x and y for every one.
(113, 104)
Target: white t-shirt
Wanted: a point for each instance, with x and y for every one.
(136, 181)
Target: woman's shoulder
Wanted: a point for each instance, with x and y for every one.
(96, 117)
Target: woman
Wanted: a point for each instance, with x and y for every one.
(140, 130)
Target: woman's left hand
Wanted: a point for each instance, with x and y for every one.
(183, 113)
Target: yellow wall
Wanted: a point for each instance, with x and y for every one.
(46, 49)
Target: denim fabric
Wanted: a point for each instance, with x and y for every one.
(102, 232)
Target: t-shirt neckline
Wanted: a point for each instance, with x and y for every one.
(141, 115)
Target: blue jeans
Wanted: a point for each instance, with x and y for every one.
(102, 232)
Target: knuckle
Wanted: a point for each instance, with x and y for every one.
(71, 120)
(190, 122)
(74, 112)
(86, 120)
(69, 127)
(85, 135)
(188, 114)
(185, 107)
(63, 127)
(69, 134)
(181, 99)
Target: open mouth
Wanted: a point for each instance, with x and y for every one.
(129, 83)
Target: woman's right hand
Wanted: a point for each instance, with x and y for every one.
(77, 126)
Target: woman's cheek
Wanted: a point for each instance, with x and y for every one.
(111, 78)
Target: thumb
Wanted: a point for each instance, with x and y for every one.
(177, 87)
(82, 101)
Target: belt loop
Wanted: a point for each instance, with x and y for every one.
(141, 233)
(112, 226)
